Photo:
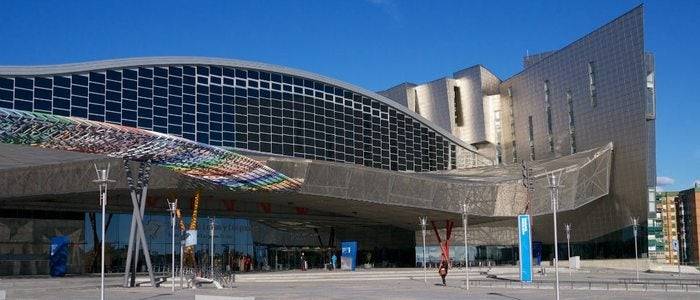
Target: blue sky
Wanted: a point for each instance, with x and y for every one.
(372, 43)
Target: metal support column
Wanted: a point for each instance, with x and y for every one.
(136, 234)
(143, 187)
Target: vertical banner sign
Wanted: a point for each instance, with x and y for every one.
(348, 257)
(525, 241)
(59, 256)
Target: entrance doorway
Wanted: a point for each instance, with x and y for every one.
(289, 258)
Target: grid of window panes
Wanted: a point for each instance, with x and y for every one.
(242, 108)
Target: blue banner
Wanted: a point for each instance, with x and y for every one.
(348, 257)
(58, 258)
(525, 251)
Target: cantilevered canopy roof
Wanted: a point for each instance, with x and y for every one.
(197, 160)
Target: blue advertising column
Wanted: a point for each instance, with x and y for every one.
(58, 256)
(525, 249)
(348, 257)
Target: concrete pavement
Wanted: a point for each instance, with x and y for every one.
(362, 284)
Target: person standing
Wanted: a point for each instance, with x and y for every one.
(241, 263)
(248, 262)
(334, 260)
(442, 270)
(303, 262)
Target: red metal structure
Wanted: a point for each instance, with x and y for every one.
(444, 245)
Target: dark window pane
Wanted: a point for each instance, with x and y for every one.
(43, 82)
(25, 83)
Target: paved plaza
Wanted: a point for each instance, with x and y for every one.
(497, 283)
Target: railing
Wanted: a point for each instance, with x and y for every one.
(668, 285)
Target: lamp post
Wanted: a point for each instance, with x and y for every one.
(681, 233)
(102, 180)
(568, 245)
(423, 223)
(212, 221)
(466, 249)
(554, 193)
(183, 236)
(636, 263)
(172, 208)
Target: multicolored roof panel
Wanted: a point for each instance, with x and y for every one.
(197, 160)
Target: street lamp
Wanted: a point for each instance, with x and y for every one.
(636, 263)
(554, 193)
(212, 222)
(466, 249)
(172, 208)
(102, 180)
(681, 233)
(568, 245)
(183, 239)
(423, 223)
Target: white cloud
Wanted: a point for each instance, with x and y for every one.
(663, 180)
(659, 189)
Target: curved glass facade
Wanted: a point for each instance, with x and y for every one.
(252, 109)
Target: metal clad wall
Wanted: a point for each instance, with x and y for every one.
(617, 51)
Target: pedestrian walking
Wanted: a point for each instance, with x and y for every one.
(303, 262)
(334, 259)
(442, 270)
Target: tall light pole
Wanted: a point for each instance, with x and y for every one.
(423, 223)
(568, 245)
(636, 263)
(172, 208)
(681, 233)
(182, 255)
(465, 223)
(212, 221)
(554, 193)
(183, 235)
(102, 180)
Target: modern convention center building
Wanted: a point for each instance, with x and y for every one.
(289, 161)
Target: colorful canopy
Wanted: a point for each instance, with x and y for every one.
(184, 156)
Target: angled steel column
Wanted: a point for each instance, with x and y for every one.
(144, 174)
(130, 249)
(136, 235)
